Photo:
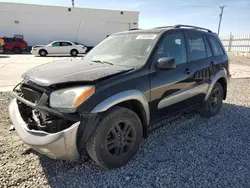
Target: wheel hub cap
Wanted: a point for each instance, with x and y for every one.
(120, 139)
(215, 99)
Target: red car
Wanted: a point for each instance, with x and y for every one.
(16, 45)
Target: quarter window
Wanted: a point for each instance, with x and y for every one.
(215, 46)
(196, 46)
(173, 46)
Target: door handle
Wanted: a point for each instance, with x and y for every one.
(187, 71)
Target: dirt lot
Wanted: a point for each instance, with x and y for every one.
(189, 152)
(241, 60)
(13, 66)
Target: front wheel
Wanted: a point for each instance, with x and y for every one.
(213, 105)
(116, 139)
(43, 53)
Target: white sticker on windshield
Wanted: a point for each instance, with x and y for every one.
(151, 37)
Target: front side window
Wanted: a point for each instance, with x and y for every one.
(197, 49)
(128, 49)
(173, 46)
(215, 46)
(55, 44)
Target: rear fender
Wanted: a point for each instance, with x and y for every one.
(221, 74)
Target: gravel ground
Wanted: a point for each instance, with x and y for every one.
(239, 59)
(189, 152)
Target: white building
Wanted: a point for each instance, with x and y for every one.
(39, 24)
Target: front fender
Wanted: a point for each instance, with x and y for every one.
(122, 97)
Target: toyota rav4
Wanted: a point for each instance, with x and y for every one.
(105, 102)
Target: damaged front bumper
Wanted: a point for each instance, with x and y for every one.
(59, 145)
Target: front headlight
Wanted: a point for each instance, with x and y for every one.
(70, 98)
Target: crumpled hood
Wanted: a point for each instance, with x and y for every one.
(71, 70)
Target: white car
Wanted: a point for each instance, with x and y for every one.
(59, 48)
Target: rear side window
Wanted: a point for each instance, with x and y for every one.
(209, 51)
(66, 44)
(196, 46)
(215, 46)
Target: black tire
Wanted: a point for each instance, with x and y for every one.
(120, 130)
(17, 50)
(74, 53)
(213, 105)
(43, 53)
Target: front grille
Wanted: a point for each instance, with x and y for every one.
(30, 94)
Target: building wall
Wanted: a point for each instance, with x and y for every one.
(41, 24)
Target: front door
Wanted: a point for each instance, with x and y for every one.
(170, 88)
(53, 48)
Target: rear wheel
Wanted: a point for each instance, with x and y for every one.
(43, 53)
(213, 105)
(116, 139)
(74, 53)
(17, 50)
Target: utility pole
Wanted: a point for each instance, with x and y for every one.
(73, 3)
(222, 8)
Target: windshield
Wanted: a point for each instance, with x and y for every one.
(123, 49)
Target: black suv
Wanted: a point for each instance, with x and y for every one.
(105, 102)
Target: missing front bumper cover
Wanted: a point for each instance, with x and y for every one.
(60, 145)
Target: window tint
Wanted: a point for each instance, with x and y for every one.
(56, 44)
(66, 44)
(196, 45)
(215, 46)
(173, 45)
(209, 51)
(8, 39)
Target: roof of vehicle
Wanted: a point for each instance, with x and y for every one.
(164, 28)
(62, 41)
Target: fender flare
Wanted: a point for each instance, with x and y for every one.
(122, 97)
(221, 74)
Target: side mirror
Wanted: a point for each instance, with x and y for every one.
(166, 63)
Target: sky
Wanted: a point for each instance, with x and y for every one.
(153, 13)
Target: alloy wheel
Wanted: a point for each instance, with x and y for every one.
(120, 139)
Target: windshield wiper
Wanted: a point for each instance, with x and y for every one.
(103, 62)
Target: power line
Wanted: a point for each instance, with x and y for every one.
(222, 8)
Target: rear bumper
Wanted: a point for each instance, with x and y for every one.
(60, 145)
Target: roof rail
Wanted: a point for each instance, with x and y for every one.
(194, 27)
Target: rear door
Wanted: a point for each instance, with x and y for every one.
(66, 47)
(200, 60)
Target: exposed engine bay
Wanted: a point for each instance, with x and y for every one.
(39, 119)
